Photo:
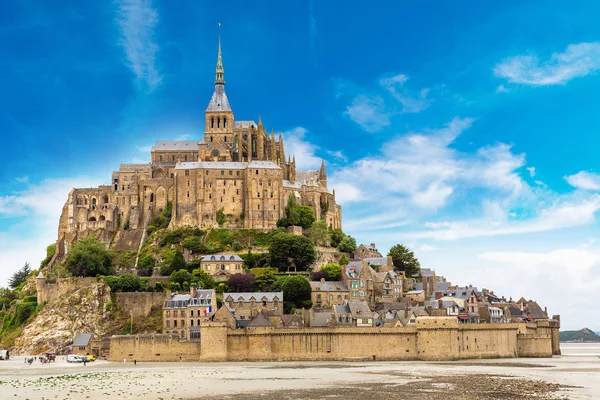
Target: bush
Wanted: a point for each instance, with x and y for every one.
(30, 299)
(237, 246)
(241, 283)
(159, 287)
(125, 283)
(89, 257)
(289, 250)
(181, 276)
(220, 217)
(297, 215)
(347, 245)
(333, 272)
(296, 289)
(50, 252)
(177, 262)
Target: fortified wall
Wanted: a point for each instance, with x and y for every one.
(433, 338)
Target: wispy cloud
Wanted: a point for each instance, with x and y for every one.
(531, 171)
(584, 180)
(368, 112)
(338, 155)
(576, 61)
(373, 108)
(137, 20)
(22, 179)
(304, 151)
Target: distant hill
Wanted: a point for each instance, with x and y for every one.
(583, 335)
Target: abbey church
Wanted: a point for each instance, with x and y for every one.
(238, 170)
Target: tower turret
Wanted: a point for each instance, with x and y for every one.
(323, 174)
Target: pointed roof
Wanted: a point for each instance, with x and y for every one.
(259, 320)
(322, 171)
(219, 101)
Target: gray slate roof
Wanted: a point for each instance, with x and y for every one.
(418, 286)
(295, 185)
(359, 309)
(244, 124)
(305, 176)
(321, 319)
(221, 257)
(226, 165)
(189, 145)
(328, 286)
(377, 260)
(270, 296)
(259, 320)
(219, 101)
(82, 339)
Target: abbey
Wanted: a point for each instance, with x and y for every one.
(237, 170)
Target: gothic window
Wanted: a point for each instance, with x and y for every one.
(185, 157)
(258, 194)
(188, 193)
(225, 123)
(160, 158)
(237, 191)
(270, 183)
(222, 173)
(238, 173)
(223, 191)
(210, 196)
(212, 122)
(225, 138)
(105, 199)
(211, 138)
(188, 182)
(221, 199)
(274, 208)
(172, 158)
(191, 322)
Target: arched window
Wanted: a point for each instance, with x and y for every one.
(105, 199)
(191, 322)
(92, 219)
(225, 123)
(102, 218)
(219, 122)
(212, 122)
(93, 201)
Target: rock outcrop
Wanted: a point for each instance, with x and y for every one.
(84, 310)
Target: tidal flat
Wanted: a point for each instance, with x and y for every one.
(575, 376)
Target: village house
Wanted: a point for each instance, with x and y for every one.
(416, 296)
(84, 344)
(328, 293)
(363, 251)
(354, 313)
(358, 278)
(183, 313)
(246, 306)
(220, 267)
(388, 286)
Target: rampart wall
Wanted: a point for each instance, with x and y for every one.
(138, 304)
(63, 286)
(433, 338)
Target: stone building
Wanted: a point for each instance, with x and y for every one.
(238, 175)
(248, 305)
(326, 294)
(221, 266)
(184, 313)
(363, 251)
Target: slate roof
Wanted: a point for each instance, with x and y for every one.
(179, 145)
(442, 286)
(270, 296)
(390, 306)
(534, 311)
(305, 176)
(321, 319)
(418, 286)
(244, 124)
(295, 185)
(376, 260)
(359, 309)
(328, 286)
(426, 272)
(82, 339)
(420, 311)
(135, 167)
(259, 320)
(226, 165)
(219, 101)
(353, 267)
(221, 257)
(286, 320)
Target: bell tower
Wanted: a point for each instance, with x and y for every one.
(218, 117)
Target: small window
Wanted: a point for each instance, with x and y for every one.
(225, 124)
(187, 172)
(172, 158)
(160, 158)
(222, 173)
(185, 157)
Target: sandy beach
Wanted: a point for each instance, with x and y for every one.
(575, 375)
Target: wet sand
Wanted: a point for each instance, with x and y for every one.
(566, 377)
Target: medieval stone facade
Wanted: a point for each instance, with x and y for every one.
(237, 171)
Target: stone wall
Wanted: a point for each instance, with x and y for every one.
(50, 291)
(138, 304)
(433, 338)
(152, 348)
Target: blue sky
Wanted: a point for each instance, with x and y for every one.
(466, 130)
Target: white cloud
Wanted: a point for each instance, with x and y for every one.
(576, 61)
(296, 145)
(584, 180)
(426, 247)
(183, 138)
(137, 20)
(410, 103)
(566, 280)
(368, 112)
(502, 89)
(23, 179)
(588, 243)
(338, 154)
(531, 171)
(34, 213)
(145, 149)
(564, 214)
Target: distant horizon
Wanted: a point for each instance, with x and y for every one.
(468, 134)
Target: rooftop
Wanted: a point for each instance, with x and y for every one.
(190, 145)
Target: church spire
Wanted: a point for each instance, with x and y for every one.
(220, 73)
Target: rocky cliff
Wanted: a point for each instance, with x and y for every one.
(85, 309)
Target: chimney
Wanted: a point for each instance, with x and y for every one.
(389, 260)
(193, 291)
(440, 304)
(343, 270)
(373, 246)
(438, 295)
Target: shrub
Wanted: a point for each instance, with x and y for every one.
(220, 217)
(89, 257)
(30, 299)
(287, 250)
(295, 289)
(159, 287)
(241, 283)
(333, 272)
(124, 283)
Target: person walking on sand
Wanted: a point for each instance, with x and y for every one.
(85, 362)
(134, 362)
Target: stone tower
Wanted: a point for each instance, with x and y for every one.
(218, 115)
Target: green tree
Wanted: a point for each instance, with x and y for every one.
(404, 260)
(177, 263)
(296, 289)
(241, 283)
(336, 236)
(180, 276)
(333, 271)
(89, 257)
(289, 250)
(50, 252)
(264, 279)
(318, 233)
(347, 245)
(297, 215)
(344, 260)
(20, 276)
(203, 280)
(221, 217)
